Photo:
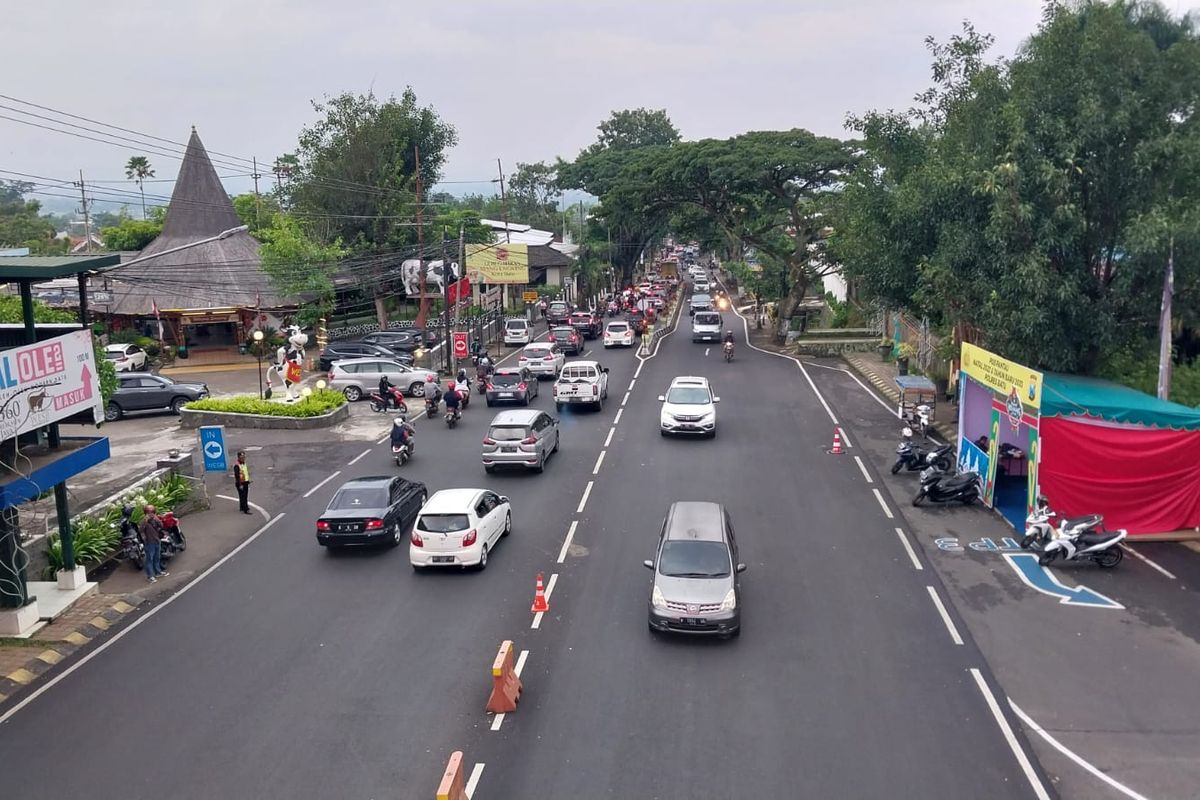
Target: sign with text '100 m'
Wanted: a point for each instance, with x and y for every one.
(48, 381)
(212, 446)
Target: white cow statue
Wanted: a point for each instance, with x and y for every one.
(289, 361)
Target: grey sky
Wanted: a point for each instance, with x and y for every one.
(521, 80)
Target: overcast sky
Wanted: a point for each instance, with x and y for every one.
(520, 80)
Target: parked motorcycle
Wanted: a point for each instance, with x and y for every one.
(942, 487)
(395, 404)
(1040, 530)
(920, 418)
(914, 458)
(1085, 544)
(131, 542)
(172, 533)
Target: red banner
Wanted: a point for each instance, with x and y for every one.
(461, 288)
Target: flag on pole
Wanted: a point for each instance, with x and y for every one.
(157, 318)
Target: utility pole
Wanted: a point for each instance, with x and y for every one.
(503, 202)
(257, 199)
(87, 217)
(460, 272)
(1164, 327)
(446, 278)
(420, 244)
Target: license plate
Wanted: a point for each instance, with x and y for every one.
(443, 559)
(506, 394)
(512, 449)
(345, 528)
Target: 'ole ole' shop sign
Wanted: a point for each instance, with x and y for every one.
(48, 381)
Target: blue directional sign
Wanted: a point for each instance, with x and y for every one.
(212, 445)
(1041, 579)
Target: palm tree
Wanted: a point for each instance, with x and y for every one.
(137, 170)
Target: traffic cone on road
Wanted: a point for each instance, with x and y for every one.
(539, 597)
(837, 443)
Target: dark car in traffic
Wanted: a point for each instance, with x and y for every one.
(371, 510)
(404, 340)
(637, 320)
(336, 351)
(587, 323)
(558, 313)
(512, 385)
(150, 393)
(568, 339)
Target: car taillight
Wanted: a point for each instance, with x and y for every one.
(416, 539)
(488, 440)
(374, 524)
(529, 440)
(595, 390)
(574, 338)
(469, 538)
(520, 386)
(322, 525)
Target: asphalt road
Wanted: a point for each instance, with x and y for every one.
(292, 672)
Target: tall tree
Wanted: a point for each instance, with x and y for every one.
(21, 223)
(138, 169)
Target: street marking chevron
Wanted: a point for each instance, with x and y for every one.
(1037, 577)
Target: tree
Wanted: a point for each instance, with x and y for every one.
(300, 266)
(533, 196)
(131, 234)
(138, 169)
(353, 178)
(474, 231)
(257, 212)
(21, 223)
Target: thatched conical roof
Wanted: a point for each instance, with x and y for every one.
(221, 273)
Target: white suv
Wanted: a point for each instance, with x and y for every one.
(517, 331)
(688, 407)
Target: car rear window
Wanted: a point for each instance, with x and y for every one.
(618, 327)
(515, 324)
(558, 306)
(708, 319)
(505, 379)
(575, 373)
(562, 333)
(359, 497)
(442, 523)
(537, 352)
(687, 559)
(507, 433)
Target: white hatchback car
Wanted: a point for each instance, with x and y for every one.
(542, 359)
(688, 407)
(517, 331)
(618, 333)
(459, 528)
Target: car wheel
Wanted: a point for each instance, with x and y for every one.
(113, 412)
(507, 524)
(489, 469)
(541, 465)
(482, 559)
(557, 439)
(417, 389)
(177, 404)
(488, 400)
(396, 535)
(417, 568)
(558, 407)
(352, 393)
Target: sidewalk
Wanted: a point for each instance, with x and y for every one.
(882, 375)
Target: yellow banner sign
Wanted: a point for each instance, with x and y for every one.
(529, 297)
(1002, 376)
(498, 263)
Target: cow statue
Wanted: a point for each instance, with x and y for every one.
(288, 363)
(435, 276)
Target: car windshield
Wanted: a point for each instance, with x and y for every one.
(689, 396)
(351, 497)
(506, 379)
(507, 434)
(708, 319)
(687, 559)
(442, 523)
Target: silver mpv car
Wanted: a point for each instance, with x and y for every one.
(696, 588)
(521, 438)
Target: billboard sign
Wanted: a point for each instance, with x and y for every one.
(47, 382)
(498, 263)
(1019, 385)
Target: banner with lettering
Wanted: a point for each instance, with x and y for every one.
(47, 382)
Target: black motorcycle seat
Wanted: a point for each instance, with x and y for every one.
(955, 482)
(1090, 539)
(1086, 521)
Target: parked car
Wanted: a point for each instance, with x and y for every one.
(581, 383)
(618, 333)
(126, 357)
(459, 528)
(336, 351)
(688, 407)
(558, 313)
(512, 385)
(567, 338)
(370, 510)
(517, 331)
(359, 377)
(542, 359)
(520, 438)
(587, 323)
(696, 589)
(150, 393)
(403, 340)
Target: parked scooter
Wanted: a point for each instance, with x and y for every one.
(920, 418)
(1085, 544)
(171, 532)
(131, 542)
(943, 487)
(1040, 530)
(914, 458)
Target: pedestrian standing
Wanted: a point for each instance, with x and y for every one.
(151, 533)
(241, 479)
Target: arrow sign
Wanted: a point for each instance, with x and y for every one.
(213, 449)
(1041, 579)
(212, 445)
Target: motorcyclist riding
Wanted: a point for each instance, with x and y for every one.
(402, 432)
(727, 344)
(388, 393)
(453, 400)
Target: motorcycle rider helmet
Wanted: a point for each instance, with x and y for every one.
(450, 386)
(398, 421)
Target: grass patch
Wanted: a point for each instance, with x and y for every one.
(320, 402)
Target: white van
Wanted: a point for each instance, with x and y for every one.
(707, 326)
(517, 332)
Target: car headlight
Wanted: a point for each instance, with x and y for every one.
(709, 416)
(730, 601)
(656, 598)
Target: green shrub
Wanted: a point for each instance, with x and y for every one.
(322, 401)
(1139, 370)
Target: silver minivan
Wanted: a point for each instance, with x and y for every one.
(521, 438)
(517, 331)
(706, 326)
(700, 301)
(696, 588)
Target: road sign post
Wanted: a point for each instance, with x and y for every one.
(461, 348)
(212, 446)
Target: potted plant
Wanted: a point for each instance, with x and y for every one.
(903, 353)
(938, 371)
(885, 348)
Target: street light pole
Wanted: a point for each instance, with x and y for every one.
(258, 340)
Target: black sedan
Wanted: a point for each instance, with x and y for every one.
(512, 385)
(336, 351)
(150, 393)
(569, 339)
(371, 510)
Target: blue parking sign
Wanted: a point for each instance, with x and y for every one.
(212, 445)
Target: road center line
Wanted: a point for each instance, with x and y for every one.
(908, 548)
(583, 500)
(887, 511)
(632, 383)
(550, 584)
(384, 439)
(473, 781)
(498, 720)
(706, 352)
(937, 601)
(356, 459)
(313, 490)
(611, 431)
(1030, 773)
(862, 467)
(620, 411)
(599, 461)
(624, 399)
(562, 554)
(1138, 555)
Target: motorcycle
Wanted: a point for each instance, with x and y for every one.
(131, 542)
(172, 534)
(613, 309)
(1039, 531)
(1085, 544)
(378, 404)
(403, 452)
(481, 381)
(913, 457)
(920, 418)
(728, 350)
(431, 406)
(942, 487)
(452, 417)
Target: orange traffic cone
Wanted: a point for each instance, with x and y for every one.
(539, 597)
(837, 443)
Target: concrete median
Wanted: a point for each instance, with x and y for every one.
(453, 785)
(506, 686)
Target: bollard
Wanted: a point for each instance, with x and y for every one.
(506, 686)
(453, 784)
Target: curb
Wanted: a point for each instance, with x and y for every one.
(75, 640)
